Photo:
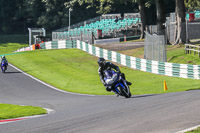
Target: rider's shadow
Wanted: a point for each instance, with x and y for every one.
(139, 96)
(12, 72)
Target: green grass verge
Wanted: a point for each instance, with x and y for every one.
(8, 111)
(136, 40)
(175, 54)
(194, 131)
(10, 43)
(8, 48)
(76, 71)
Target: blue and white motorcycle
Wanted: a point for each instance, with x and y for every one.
(117, 83)
(4, 65)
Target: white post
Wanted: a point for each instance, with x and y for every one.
(44, 32)
(69, 17)
(29, 29)
(186, 30)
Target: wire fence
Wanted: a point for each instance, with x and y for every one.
(193, 32)
(155, 47)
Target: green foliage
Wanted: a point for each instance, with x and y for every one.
(8, 111)
(192, 5)
(17, 16)
(21, 39)
(108, 6)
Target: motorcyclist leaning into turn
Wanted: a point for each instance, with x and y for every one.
(5, 60)
(103, 65)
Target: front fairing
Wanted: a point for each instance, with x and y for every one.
(111, 81)
(4, 63)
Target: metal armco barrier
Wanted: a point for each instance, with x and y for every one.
(58, 44)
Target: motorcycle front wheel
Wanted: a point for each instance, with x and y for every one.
(3, 69)
(125, 92)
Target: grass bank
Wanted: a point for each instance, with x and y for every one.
(8, 111)
(175, 54)
(8, 48)
(10, 43)
(76, 71)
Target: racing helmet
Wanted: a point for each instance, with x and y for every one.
(101, 62)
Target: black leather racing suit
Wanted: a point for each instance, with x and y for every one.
(108, 66)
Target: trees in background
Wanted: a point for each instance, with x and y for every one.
(7, 15)
(192, 5)
(161, 17)
(142, 12)
(180, 30)
(17, 16)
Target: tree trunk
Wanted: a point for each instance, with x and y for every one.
(180, 22)
(161, 18)
(141, 4)
(2, 11)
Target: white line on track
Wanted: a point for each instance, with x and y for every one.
(52, 87)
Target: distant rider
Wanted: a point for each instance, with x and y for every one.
(5, 60)
(103, 65)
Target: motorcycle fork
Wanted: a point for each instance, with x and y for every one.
(116, 89)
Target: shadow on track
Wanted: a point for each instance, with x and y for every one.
(195, 89)
(12, 72)
(139, 96)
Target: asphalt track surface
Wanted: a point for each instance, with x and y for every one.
(163, 113)
(121, 46)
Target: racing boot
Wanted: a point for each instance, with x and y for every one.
(128, 83)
